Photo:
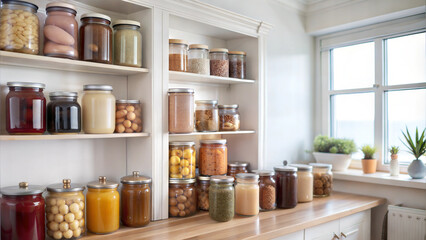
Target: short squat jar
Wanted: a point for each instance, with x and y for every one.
(178, 55)
(206, 116)
(127, 43)
(229, 117)
(128, 116)
(237, 64)
(203, 185)
(198, 59)
(96, 38)
(181, 110)
(221, 198)
(213, 157)
(247, 194)
(267, 190)
(63, 113)
(286, 178)
(219, 62)
(182, 197)
(305, 181)
(237, 167)
(323, 179)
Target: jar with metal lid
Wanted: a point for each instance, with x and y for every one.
(127, 43)
(182, 159)
(178, 55)
(182, 197)
(135, 200)
(247, 194)
(219, 62)
(213, 157)
(128, 116)
(203, 185)
(98, 109)
(237, 167)
(25, 108)
(19, 27)
(237, 64)
(267, 190)
(323, 179)
(286, 179)
(181, 110)
(221, 198)
(65, 210)
(22, 212)
(96, 38)
(206, 116)
(229, 117)
(305, 181)
(61, 31)
(63, 113)
(198, 59)
(103, 206)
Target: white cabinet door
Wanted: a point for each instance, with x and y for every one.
(356, 226)
(292, 236)
(324, 231)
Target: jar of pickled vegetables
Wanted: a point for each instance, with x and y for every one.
(323, 179)
(222, 198)
(65, 210)
(128, 116)
(182, 197)
(182, 159)
(103, 206)
(213, 157)
(237, 167)
(203, 185)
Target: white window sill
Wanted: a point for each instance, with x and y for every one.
(403, 180)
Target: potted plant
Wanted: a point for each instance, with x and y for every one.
(394, 164)
(417, 147)
(334, 151)
(369, 163)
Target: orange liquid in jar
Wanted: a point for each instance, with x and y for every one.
(103, 210)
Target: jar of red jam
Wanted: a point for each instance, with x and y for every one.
(22, 212)
(25, 108)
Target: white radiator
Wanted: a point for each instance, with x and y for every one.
(406, 223)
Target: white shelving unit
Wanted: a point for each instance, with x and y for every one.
(70, 136)
(183, 77)
(212, 133)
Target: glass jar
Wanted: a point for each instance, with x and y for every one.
(229, 118)
(198, 59)
(206, 116)
(181, 110)
(19, 27)
(96, 38)
(182, 159)
(22, 212)
(128, 116)
(237, 64)
(135, 200)
(63, 113)
(98, 109)
(323, 179)
(247, 194)
(60, 31)
(267, 190)
(25, 108)
(286, 178)
(222, 198)
(182, 197)
(305, 181)
(103, 206)
(178, 55)
(213, 157)
(237, 167)
(65, 210)
(127, 43)
(203, 192)
(219, 62)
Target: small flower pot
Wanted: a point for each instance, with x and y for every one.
(369, 165)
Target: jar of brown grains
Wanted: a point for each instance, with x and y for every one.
(219, 62)
(267, 192)
(203, 192)
(237, 64)
(178, 55)
(229, 117)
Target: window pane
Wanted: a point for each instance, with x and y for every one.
(406, 57)
(353, 66)
(405, 108)
(353, 117)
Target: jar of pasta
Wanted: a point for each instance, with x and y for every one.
(96, 38)
(286, 178)
(206, 116)
(237, 167)
(178, 55)
(229, 117)
(198, 57)
(219, 62)
(63, 113)
(213, 157)
(247, 194)
(305, 181)
(237, 64)
(182, 197)
(203, 185)
(323, 179)
(222, 198)
(128, 116)
(182, 159)
(98, 105)
(181, 110)
(267, 190)
(127, 43)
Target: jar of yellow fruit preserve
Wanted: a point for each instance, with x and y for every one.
(182, 160)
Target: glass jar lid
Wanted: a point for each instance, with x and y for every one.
(182, 181)
(61, 5)
(218, 50)
(63, 94)
(127, 22)
(221, 179)
(96, 15)
(22, 189)
(135, 178)
(229, 106)
(237, 53)
(26, 84)
(213, 141)
(65, 186)
(102, 183)
(97, 87)
(285, 169)
(181, 143)
(198, 46)
(247, 176)
(22, 3)
(206, 102)
(128, 101)
(181, 90)
(264, 173)
(238, 164)
(204, 178)
(321, 165)
(178, 41)
(302, 167)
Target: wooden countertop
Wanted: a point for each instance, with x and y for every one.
(264, 226)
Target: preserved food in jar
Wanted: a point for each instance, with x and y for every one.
(213, 157)
(247, 194)
(206, 116)
(323, 179)
(98, 109)
(237, 167)
(181, 110)
(182, 197)
(203, 192)
(219, 62)
(63, 113)
(22, 212)
(19, 27)
(178, 55)
(182, 159)
(25, 108)
(128, 116)
(305, 181)
(229, 118)
(267, 190)
(237, 64)
(198, 57)
(286, 179)
(127, 43)
(221, 198)
(135, 200)
(96, 38)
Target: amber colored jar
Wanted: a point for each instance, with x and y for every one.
(267, 190)
(96, 38)
(203, 185)
(213, 157)
(237, 167)
(63, 113)
(182, 197)
(286, 178)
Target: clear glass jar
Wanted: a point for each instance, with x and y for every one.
(237, 64)
(182, 159)
(25, 108)
(286, 179)
(63, 113)
(213, 157)
(203, 185)
(182, 197)
(219, 62)
(127, 43)
(103, 206)
(237, 167)
(22, 212)
(268, 189)
(178, 55)
(229, 118)
(323, 179)
(181, 110)
(98, 105)
(61, 31)
(221, 198)
(198, 59)
(19, 27)
(206, 116)
(65, 210)
(247, 194)
(128, 116)
(96, 38)
(135, 200)
(305, 181)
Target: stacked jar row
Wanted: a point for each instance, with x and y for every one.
(19, 31)
(199, 59)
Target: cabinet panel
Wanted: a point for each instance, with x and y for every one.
(292, 236)
(323, 231)
(356, 226)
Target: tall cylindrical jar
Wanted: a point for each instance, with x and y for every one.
(221, 198)
(181, 110)
(213, 157)
(247, 194)
(63, 113)
(237, 64)
(182, 159)
(203, 185)
(286, 178)
(22, 212)
(237, 167)
(267, 190)
(182, 197)
(98, 109)
(96, 38)
(127, 43)
(305, 182)
(178, 55)
(323, 179)
(198, 59)
(229, 117)
(219, 62)
(206, 116)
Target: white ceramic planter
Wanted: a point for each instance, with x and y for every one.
(339, 161)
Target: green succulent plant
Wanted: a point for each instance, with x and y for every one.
(368, 151)
(334, 145)
(394, 150)
(416, 146)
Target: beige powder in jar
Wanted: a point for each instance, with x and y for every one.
(181, 110)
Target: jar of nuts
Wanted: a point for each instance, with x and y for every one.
(206, 116)
(229, 118)
(65, 210)
(203, 192)
(128, 116)
(182, 197)
(182, 159)
(323, 179)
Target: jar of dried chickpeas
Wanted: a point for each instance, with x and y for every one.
(128, 116)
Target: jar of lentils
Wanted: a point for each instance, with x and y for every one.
(267, 190)
(222, 198)
(219, 62)
(237, 64)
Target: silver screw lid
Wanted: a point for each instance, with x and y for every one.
(22, 189)
(65, 186)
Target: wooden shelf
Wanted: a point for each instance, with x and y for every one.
(71, 136)
(198, 78)
(213, 133)
(62, 64)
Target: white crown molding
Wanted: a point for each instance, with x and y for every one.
(312, 6)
